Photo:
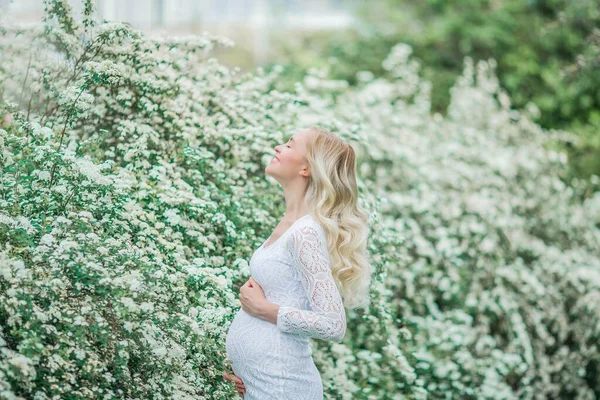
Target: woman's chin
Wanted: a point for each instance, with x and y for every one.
(268, 172)
(269, 167)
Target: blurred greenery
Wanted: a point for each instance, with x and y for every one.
(547, 53)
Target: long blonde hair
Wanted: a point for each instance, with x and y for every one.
(332, 197)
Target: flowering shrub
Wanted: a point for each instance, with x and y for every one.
(131, 202)
(133, 196)
(500, 274)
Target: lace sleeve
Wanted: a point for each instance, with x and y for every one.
(327, 318)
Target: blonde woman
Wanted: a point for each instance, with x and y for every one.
(311, 267)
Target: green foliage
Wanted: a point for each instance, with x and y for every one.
(547, 53)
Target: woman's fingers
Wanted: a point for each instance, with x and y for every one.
(229, 377)
(237, 379)
(233, 377)
(239, 384)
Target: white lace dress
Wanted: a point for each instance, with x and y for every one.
(275, 360)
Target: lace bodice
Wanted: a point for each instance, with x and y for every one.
(275, 360)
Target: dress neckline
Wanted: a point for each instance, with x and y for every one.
(280, 236)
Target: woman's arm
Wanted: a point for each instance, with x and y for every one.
(327, 318)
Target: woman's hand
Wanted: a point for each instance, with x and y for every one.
(252, 298)
(239, 385)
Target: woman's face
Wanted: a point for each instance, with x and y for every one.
(289, 162)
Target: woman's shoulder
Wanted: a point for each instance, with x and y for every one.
(307, 242)
(309, 225)
(307, 229)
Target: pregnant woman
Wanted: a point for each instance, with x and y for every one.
(304, 275)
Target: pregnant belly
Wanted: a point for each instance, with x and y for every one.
(252, 340)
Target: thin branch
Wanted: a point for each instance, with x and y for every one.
(62, 135)
(26, 76)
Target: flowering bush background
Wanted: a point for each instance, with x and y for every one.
(133, 195)
(547, 53)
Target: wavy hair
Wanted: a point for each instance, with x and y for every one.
(332, 197)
